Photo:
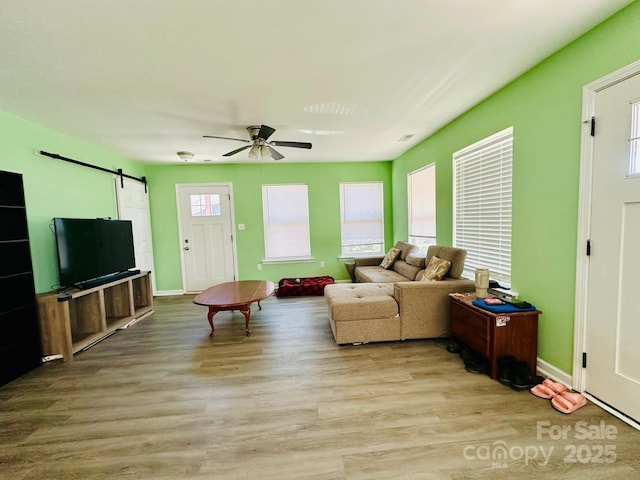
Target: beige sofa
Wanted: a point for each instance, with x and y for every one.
(401, 308)
(406, 267)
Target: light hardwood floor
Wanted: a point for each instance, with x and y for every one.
(161, 400)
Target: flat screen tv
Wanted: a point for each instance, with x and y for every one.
(91, 251)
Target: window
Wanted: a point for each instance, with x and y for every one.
(286, 222)
(421, 191)
(634, 141)
(205, 205)
(361, 219)
(482, 204)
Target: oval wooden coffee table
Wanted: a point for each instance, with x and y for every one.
(234, 296)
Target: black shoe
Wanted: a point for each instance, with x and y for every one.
(454, 347)
(506, 368)
(521, 378)
(467, 354)
(480, 366)
(474, 362)
(536, 380)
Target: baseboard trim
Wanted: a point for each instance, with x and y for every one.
(167, 293)
(621, 416)
(551, 371)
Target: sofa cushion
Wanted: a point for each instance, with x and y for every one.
(392, 255)
(406, 270)
(456, 256)
(436, 270)
(377, 275)
(406, 249)
(348, 302)
(416, 259)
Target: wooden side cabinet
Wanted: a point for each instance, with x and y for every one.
(77, 319)
(19, 336)
(494, 335)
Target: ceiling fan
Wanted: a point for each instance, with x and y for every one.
(259, 144)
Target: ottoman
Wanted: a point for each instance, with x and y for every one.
(362, 312)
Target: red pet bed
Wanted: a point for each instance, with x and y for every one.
(289, 287)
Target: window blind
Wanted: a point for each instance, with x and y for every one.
(286, 222)
(361, 218)
(482, 204)
(421, 192)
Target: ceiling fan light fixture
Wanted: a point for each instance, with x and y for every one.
(259, 145)
(186, 156)
(254, 152)
(265, 152)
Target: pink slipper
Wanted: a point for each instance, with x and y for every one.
(548, 389)
(568, 402)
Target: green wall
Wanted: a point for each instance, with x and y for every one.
(54, 188)
(247, 179)
(544, 106)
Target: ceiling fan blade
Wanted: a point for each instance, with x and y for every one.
(226, 138)
(278, 143)
(228, 154)
(276, 155)
(265, 132)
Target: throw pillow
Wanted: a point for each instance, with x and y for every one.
(391, 257)
(436, 270)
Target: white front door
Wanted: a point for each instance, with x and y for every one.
(613, 311)
(206, 235)
(133, 204)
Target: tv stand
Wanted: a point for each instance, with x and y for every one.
(79, 318)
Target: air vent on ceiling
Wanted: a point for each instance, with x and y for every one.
(331, 108)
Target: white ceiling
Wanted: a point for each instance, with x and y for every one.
(149, 78)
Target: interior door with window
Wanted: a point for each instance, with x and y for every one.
(613, 313)
(206, 235)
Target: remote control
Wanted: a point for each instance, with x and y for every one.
(520, 304)
(516, 303)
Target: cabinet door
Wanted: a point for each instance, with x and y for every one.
(470, 327)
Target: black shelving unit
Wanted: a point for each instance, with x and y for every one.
(20, 349)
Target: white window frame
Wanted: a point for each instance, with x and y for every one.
(421, 206)
(355, 210)
(289, 234)
(482, 210)
(634, 140)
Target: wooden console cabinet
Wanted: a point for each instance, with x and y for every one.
(494, 335)
(76, 319)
